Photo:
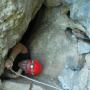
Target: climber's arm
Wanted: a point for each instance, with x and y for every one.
(17, 49)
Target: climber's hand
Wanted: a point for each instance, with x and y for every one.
(8, 64)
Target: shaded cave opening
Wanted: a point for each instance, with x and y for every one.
(25, 40)
(31, 28)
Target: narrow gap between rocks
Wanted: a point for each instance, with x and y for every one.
(27, 35)
(24, 40)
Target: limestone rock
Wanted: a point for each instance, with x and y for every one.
(53, 3)
(74, 80)
(79, 12)
(9, 85)
(50, 43)
(83, 47)
(37, 87)
(15, 16)
(87, 58)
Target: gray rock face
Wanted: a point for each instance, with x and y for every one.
(36, 87)
(80, 12)
(9, 85)
(54, 3)
(14, 19)
(50, 44)
(76, 80)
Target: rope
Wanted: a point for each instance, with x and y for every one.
(30, 79)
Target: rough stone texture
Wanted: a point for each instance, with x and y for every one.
(53, 82)
(87, 58)
(49, 44)
(74, 79)
(79, 12)
(77, 79)
(9, 85)
(1, 86)
(83, 47)
(37, 87)
(41, 87)
(54, 3)
(15, 16)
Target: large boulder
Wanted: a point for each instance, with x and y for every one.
(15, 16)
(49, 42)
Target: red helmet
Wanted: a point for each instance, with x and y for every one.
(31, 67)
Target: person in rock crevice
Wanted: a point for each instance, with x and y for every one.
(19, 60)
